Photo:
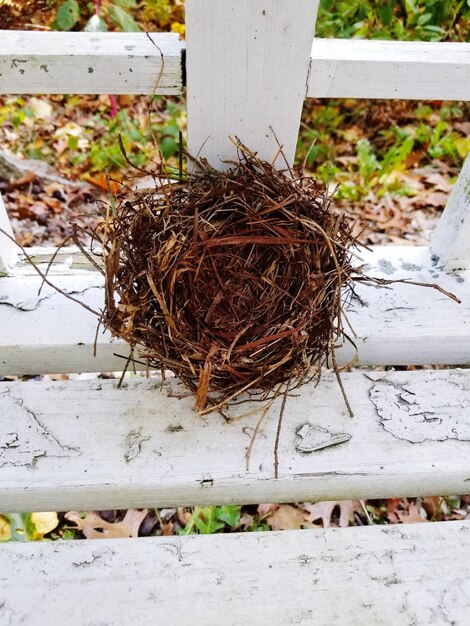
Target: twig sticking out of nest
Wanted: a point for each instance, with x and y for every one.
(233, 280)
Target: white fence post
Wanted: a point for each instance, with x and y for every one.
(451, 241)
(8, 250)
(247, 71)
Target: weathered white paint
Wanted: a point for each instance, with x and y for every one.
(67, 257)
(396, 325)
(89, 63)
(8, 250)
(412, 411)
(451, 241)
(406, 324)
(247, 65)
(407, 575)
(88, 445)
(340, 68)
(343, 68)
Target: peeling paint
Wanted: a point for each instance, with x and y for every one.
(428, 410)
(134, 441)
(29, 439)
(27, 299)
(376, 376)
(314, 438)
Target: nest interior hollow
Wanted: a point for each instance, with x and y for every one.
(232, 280)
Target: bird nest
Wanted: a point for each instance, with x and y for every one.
(232, 280)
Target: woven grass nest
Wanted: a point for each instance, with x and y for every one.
(232, 280)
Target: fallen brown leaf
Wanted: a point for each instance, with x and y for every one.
(432, 506)
(95, 527)
(288, 517)
(436, 199)
(266, 508)
(412, 517)
(183, 515)
(324, 511)
(27, 178)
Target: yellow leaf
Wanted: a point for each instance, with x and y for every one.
(5, 530)
(176, 27)
(463, 146)
(45, 522)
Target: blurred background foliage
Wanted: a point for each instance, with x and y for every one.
(370, 150)
(327, 126)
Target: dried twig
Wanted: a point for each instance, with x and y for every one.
(278, 431)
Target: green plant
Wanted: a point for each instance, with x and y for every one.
(96, 16)
(163, 11)
(140, 141)
(210, 519)
(26, 526)
(427, 20)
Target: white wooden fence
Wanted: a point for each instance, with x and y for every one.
(249, 66)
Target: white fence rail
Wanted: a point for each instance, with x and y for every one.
(95, 63)
(90, 63)
(407, 70)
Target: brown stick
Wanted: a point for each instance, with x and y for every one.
(278, 432)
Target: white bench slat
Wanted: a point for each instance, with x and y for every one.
(378, 575)
(89, 63)
(401, 324)
(89, 445)
(408, 70)
(340, 68)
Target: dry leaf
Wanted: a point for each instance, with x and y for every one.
(324, 511)
(392, 506)
(288, 517)
(437, 180)
(413, 516)
(436, 199)
(433, 507)
(183, 515)
(95, 527)
(266, 508)
(246, 521)
(168, 529)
